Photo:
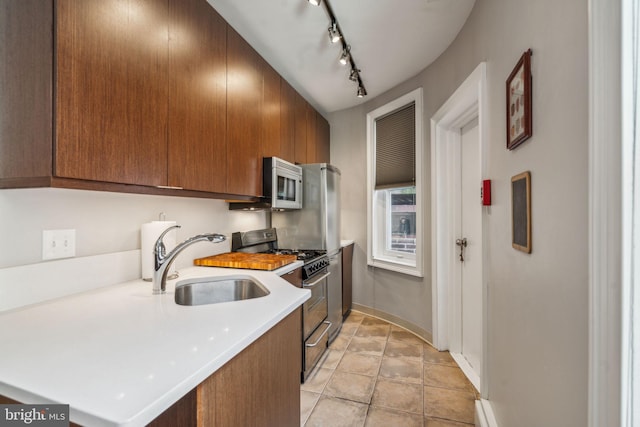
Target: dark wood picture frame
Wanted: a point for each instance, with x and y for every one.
(521, 211)
(519, 122)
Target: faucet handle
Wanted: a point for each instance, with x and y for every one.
(160, 250)
(217, 238)
(163, 262)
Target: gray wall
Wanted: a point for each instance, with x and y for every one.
(538, 318)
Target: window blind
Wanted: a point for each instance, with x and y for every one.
(396, 148)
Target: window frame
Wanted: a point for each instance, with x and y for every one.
(375, 259)
(382, 246)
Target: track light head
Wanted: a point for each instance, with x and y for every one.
(344, 58)
(334, 34)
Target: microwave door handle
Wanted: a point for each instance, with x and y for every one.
(287, 188)
(274, 187)
(315, 282)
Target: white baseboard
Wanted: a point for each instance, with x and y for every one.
(484, 414)
(416, 330)
(467, 369)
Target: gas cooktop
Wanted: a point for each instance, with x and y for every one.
(266, 242)
(301, 254)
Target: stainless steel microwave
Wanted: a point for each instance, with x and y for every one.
(282, 183)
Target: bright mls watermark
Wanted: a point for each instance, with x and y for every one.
(34, 415)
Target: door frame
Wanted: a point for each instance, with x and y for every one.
(607, 374)
(467, 102)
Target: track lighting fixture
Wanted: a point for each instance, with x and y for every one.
(334, 34)
(344, 58)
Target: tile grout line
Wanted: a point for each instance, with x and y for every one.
(377, 377)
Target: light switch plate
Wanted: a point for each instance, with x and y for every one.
(58, 244)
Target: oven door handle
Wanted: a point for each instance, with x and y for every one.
(315, 282)
(326, 322)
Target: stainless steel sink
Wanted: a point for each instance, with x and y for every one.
(212, 290)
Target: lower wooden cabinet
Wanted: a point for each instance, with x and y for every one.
(259, 387)
(347, 279)
(294, 277)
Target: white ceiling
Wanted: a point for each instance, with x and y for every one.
(391, 41)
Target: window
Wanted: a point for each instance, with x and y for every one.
(394, 217)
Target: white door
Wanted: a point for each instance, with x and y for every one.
(467, 102)
(471, 235)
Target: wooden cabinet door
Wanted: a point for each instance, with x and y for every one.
(322, 140)
(271, 134)
(111, 91)
(300, 129)
(311, 135)
(347, 279)
(287, 122)
(261, 385)
(294, 277)
(197, 97)
(244, 117)
(26, 88)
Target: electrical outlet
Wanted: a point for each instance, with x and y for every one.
(58, 244)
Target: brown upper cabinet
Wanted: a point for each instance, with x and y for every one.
(300, 154)
(26, 88)
(311, 134)
(146, 96)
(287, 122)
(271, 113)
(244, 116)
(317, 137)
(197, 97)
(323, 136)
(111, 85)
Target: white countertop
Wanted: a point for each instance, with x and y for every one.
(119, 355)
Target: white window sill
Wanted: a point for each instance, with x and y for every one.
(399, 267)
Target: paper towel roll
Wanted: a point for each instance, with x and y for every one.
(149, 233)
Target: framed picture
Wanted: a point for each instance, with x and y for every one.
(519, 125)
(521, 211)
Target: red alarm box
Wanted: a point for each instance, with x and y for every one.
(485, 193)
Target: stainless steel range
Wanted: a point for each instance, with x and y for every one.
(317, 226)
(315, 326)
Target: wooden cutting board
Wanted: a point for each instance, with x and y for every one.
(245, 260)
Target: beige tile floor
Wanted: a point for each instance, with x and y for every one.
(378, 374)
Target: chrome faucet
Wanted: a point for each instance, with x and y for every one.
(162, 260)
